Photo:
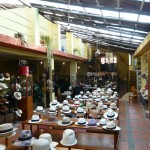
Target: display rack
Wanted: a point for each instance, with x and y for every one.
(26, 103)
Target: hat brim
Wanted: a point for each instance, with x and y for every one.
(65, 144)
(116, 129)
(80, 112)
(10, 133)
(114, 117)
(53, 145)
(7, 79)
(66, 112)
(30, 121)
(39, 111)
(53, 104)
(25, 143)
(59, 122)
(50, 112)
(16, 97)
(2, 79)
(18, 114)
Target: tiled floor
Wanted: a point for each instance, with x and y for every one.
(135, 133)
(135, 127)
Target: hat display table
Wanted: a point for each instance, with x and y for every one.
(53, 127)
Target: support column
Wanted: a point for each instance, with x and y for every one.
(69, 42)
(34, 15)
(56, 37)
(73, 72)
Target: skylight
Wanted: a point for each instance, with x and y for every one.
(76, 8)
(126, 35)
(138, 41)
(144, 19)
(92, 11)
(128, 16)
(138, 37)
(107, 13)
(11, 2)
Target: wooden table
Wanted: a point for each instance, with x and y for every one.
(54, 128)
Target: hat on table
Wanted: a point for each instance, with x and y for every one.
(41, 144)
(68, 138)
(35, 119)
(25, 138)
(48, 137)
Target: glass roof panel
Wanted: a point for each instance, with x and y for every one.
(141, 31)
(128, 16)
(138, 41)
(114, 33)
(107, 13)
(126, 35)
(138, 37)
(11, 2)
(127, 29)
(76, 8)
(92, 11)
(144, 19)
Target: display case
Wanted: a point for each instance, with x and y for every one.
(26, 103)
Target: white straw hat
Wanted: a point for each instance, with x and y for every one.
(68, 138)
(17, 95)
(19, 112)
(48, 137)
(35, 119)
(41, 144)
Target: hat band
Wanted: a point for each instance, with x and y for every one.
(54, 104)
(6, 130)
(110, 116)
(65, 110)
(24, 139)
(35, 120)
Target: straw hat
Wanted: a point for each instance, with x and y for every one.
(68, 138)
(65, 121)
(6, 76)
(2, 147)
(35, 119)
(41, 144)
(1, 76)
(25, 138)
(17, 95)
(19, 112)
(48, 137)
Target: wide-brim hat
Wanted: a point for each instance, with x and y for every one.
(77, 123)
(18, 112)
(105, 115)
(51, 104)
(7, 76)
(17, 95)
(9, 133)
(59, 122)
(31, 121)
(116, 129)
(25, 143)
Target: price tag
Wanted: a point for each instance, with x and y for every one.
(77, 130)
(45, 127)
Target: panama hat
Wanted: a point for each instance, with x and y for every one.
(7, 129)
(18, 112)
(35, 119)
(48, 137)
(41, 144)
(68, 138)
(66, 109)
(65, 121)
(17, 95)
(6, 76)
(49, 82)
(25, 139)
(39, 109)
